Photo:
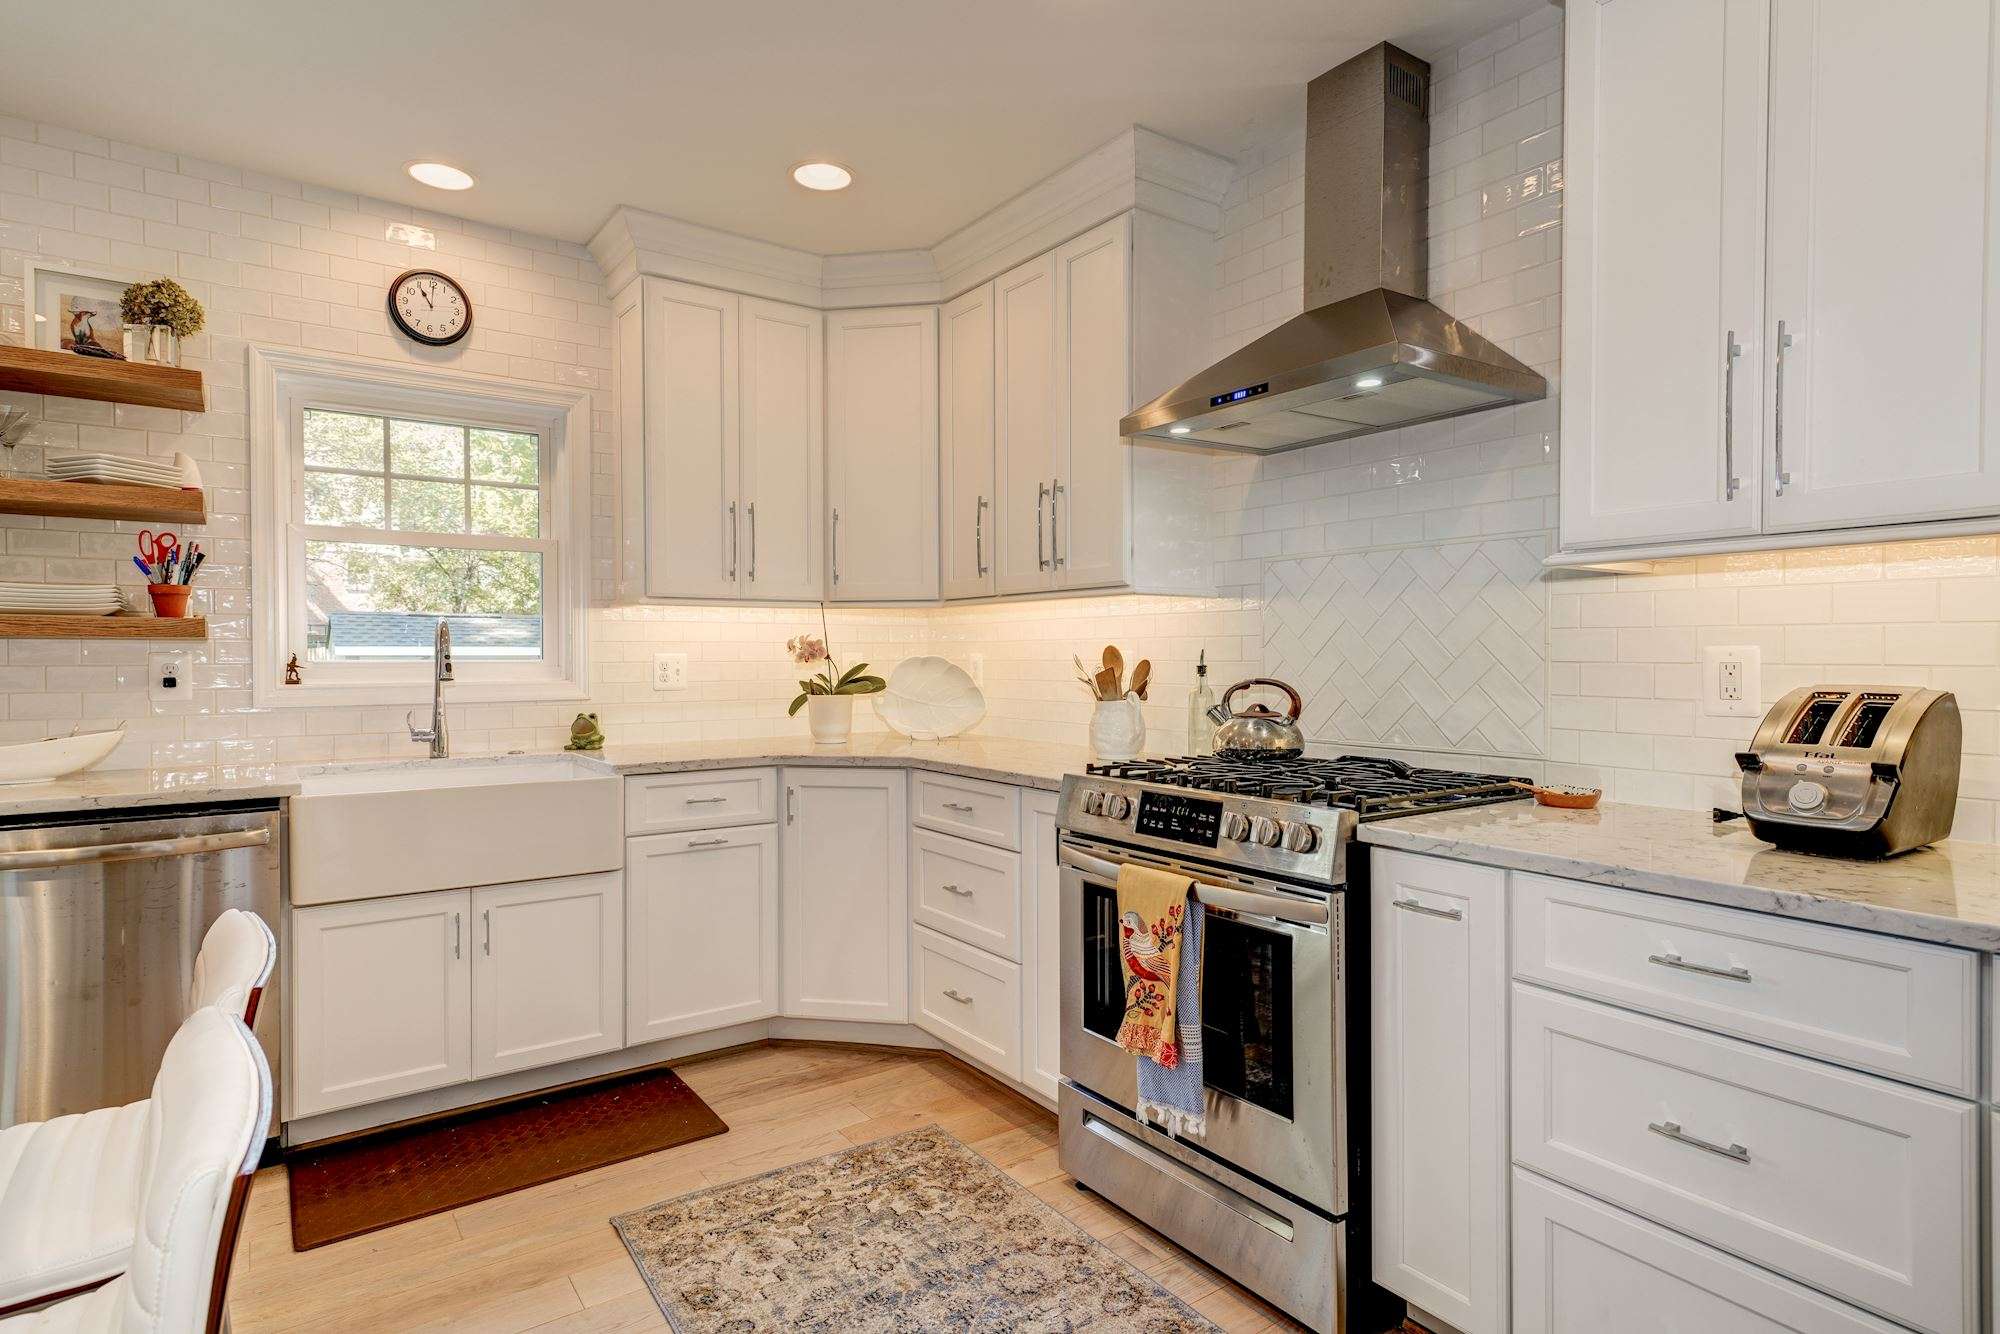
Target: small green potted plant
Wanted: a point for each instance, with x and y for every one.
(157, 315)
(828, 694)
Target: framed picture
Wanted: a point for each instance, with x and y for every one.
(76, 310)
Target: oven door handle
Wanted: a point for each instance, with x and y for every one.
(1285, 909)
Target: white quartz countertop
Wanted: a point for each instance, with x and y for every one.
(1949, 893)
(118, 789)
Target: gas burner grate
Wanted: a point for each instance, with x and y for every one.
(1372, 787)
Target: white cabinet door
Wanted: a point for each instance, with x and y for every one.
(1024, 424)
(783, 453)
(1888, 301)
(846, 894)
(1438, 970)
(690, 452)
(1089, 505)
(381, 993)
(548, 978)
(882, 454)
(701, 931)
(965, 416)
(1041, 945)
(1663, 235)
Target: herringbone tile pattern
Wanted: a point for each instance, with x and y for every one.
(1420, 648)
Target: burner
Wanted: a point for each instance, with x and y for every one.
(1373, 787)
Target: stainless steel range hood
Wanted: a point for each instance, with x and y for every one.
(1369, 353)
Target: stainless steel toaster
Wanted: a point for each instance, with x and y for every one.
(1859, 771)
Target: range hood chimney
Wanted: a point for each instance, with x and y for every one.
(1369, 353)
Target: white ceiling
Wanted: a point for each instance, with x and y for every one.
(943, 108)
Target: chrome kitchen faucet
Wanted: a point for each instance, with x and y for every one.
(441, 664)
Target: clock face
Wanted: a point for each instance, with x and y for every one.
(429, 307)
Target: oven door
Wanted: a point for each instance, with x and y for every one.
(1272, 1056)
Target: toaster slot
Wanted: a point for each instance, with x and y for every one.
(1813, 719)
(1866, 721)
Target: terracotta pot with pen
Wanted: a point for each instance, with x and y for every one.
(169, 571)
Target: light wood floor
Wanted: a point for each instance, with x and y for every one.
(547, 1259)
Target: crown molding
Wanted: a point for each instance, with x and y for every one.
(1136, 169)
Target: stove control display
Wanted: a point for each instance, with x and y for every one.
(1182, 819)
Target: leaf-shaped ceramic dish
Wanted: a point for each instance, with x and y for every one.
(930, 698)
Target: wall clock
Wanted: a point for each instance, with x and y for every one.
(430, 307)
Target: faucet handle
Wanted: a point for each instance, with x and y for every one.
(417, 733)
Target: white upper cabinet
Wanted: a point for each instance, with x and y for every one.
(1759, 339)
(1024, 427)
(965, 450)
(1663, 223)
(882, 454)
(724, 445)
(1887, 301)
(783, 452)
(1089, 502)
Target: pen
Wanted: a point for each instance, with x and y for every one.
(144, 569)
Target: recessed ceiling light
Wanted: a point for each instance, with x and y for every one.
(822, 176)
(1179, 430)
(439, 175)
(1369, 382)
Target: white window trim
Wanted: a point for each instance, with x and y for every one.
(280, 380)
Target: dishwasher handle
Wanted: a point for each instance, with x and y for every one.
(55, 859)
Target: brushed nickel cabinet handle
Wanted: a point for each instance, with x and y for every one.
(1055, 526)
(835, 545)
(1041, 501)
(954, 889)
(791, 805)
(487, 914)
(1411, 905)
(959, 806)
(1706, 970)
(979, 535)
(1672, 1130)
(455, 953)
(1730, 481)
(952, 993)
(753, 541)
(732, 539)
(702, 801)
(1782, 479)
(708, 842)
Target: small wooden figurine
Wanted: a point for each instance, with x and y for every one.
(292, 676)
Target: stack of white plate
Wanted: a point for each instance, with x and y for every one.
(62, 599)
(113, 468)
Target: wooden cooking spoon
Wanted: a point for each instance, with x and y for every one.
(1107, 685)
(1115, 661)
(1141, 675)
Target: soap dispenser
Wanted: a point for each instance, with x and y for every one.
(1201, 732)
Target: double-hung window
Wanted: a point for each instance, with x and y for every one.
(398, 497)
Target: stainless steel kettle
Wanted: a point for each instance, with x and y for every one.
(1259, 732)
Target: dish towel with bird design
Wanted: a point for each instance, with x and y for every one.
(1159, 943)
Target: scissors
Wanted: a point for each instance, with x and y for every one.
(157, 548)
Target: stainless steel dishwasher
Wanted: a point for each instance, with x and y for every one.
(101, 915)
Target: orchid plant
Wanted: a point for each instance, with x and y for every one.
(829, 680)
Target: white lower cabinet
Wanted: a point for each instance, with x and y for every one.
(968, 998)
(548, 982)
(1041, 949)
(701, 931)
(1438, 1082)
(1583, 1265)
(381, 1000)
(846, 894)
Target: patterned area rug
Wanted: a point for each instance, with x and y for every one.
(913, 1232)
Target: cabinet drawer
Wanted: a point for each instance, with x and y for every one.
(1581, 1264)
(968, 891)
(1899, 1008)
(988, 812)
(1860, 1187)
(712, 799)
(968, 999)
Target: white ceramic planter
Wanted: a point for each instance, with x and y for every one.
(832, 718)
(1117, 729)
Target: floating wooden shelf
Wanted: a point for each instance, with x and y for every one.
(21, 625)
(101, 500)
(32, 370)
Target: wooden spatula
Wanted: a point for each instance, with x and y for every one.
(1107, 685)
(1140, 675)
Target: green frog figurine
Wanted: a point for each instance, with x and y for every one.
(584, 733)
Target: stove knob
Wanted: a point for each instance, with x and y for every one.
(1236, 826)
(1117, 805)
(1266, 832)
(1093, 802)
(1301, 838)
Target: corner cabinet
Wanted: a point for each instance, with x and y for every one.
(1758, 342)
(882, 455)
(846, 894)
(721, 418)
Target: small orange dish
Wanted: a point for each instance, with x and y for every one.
(1570, 798)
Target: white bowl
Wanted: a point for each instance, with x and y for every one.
(927, 699)
(58, 757)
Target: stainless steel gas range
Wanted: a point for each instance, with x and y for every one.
(1265, 1195)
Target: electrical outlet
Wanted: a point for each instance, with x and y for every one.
(670, 671)
(976, 668)
(167, 675)
(1730, 681)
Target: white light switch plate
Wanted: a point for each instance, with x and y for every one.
(1732, 681)
(670, 671)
